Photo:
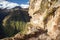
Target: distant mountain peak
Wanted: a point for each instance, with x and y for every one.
(17, 7)
(10, 5)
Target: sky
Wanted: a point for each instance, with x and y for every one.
(12, 3)
(19, 1)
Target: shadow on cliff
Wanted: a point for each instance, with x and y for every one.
(17, 16)
(2, 16)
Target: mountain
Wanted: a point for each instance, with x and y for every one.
(17, 7)
(16, 14)
(9, 5)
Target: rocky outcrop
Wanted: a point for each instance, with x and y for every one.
(45, 21)
(46, 15)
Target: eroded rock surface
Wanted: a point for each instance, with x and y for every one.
(46, 15)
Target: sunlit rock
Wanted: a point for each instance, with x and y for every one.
(46, 15)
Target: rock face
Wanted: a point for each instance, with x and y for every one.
(46, 15)
(45, 21)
